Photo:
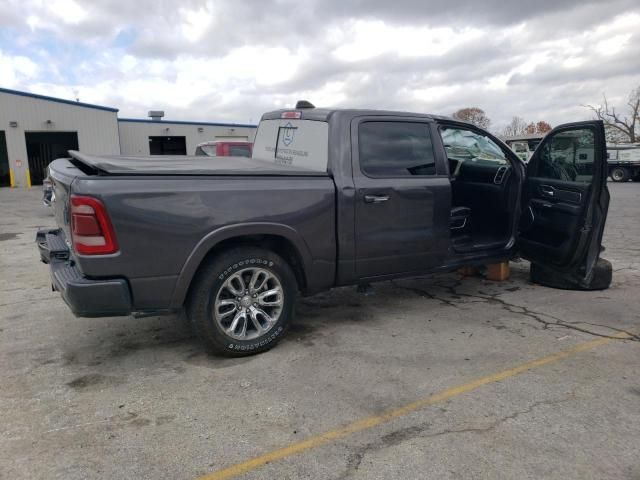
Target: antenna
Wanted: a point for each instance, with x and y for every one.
(304, 104)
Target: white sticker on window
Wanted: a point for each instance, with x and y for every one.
(290, 142)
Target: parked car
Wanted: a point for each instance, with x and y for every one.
(224, 149)
(329, 198)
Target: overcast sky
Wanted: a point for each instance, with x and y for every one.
(233, 60)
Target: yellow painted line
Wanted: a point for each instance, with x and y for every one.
(373, 421)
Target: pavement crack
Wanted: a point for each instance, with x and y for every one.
(425, 293)
(500, 421)
(397, 437)
(553, 321)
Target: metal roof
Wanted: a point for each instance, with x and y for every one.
(57, 100)
(186, 122)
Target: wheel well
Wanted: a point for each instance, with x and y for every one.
(275, 243)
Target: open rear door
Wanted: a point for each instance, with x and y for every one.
(565, 205)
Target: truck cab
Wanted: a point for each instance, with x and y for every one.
(423, 193)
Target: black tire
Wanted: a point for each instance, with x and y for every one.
(207, 286)
(620, 174)
(601, 279)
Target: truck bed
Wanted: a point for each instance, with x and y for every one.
(186, 165)
(167, 214)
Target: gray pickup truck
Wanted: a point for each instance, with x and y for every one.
(329, 198)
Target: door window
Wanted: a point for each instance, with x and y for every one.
(395, 149)
(568, 156)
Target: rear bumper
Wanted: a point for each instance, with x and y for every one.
(85, 297)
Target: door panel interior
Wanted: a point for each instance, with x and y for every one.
(557, 209)
(563, 195)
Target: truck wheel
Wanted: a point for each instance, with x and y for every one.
(619, 174)
(242, 300)
(601, 279)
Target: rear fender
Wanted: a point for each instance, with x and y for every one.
(209, 242)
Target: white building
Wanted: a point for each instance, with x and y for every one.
(36, 129)
(157, 137)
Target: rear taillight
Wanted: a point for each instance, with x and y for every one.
(91, 229)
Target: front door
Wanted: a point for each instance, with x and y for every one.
(403, 196)
(566, 200)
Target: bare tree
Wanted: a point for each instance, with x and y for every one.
(624, 124)
(473, 115)
(517, 126)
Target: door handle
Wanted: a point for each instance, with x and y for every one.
(375, 198)
(547, 190)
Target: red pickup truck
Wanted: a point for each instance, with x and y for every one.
(224, 149)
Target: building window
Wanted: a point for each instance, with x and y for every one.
(167, 145)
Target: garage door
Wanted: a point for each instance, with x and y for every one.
(167, 145)
(45, 147)
(4, 161)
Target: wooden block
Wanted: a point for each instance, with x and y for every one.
(498, 272)
(468, 271)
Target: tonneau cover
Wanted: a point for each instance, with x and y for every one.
(187, 165)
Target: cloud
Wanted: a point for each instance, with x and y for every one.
(16, 70)
(230, 60)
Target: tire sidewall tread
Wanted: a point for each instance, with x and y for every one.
(207, 283)
(625, 174)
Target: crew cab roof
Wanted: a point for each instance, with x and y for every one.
(324, 114)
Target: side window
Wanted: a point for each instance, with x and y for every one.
(568, 156)
(239, 151)
(395, 149)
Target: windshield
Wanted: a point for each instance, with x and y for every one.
(206, 150)
(466, 145)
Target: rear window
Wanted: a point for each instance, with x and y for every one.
(239, 150)
(290, 142)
